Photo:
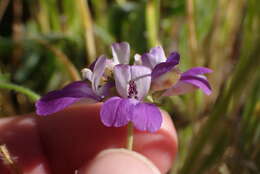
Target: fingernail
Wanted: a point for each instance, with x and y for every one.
(118, 161)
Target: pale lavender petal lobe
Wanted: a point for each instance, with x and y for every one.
(117, 111)
(154, 57)
(122, 74)
(158, 52)
(141, 75)
(98, 72)
(148, 60)
(147, 117)
(121, 53)
(57, 100)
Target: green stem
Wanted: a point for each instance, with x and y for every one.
(32, 95)
(130, 136)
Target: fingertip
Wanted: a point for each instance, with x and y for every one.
(118, 161)
(160, 147)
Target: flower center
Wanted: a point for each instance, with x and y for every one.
(132, 91)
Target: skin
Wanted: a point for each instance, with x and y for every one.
(75, 139)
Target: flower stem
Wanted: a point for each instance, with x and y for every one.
(4, 153)
(32, 95)
(130, 136)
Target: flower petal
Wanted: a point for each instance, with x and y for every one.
(167, 66)
(197, 71)
(154, 57)
(158, 52)
(86, 74)
(142, 78)
(117, 111)
(146, 117)
(199, 82)
(104, 90)
(122, 74)
(121, 53)
(188, 84)
(174, 58)
(166, 80)
(179, 88)
(98, 72)
(57, 100)
(138, 60)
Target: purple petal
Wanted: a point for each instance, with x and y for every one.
(167, 66)
(122, 74)
(199, 82)
(154, 57)
(117, 111)
(98, 72)
(148, 60)
(121, 53)
(92, 65)
(147, 117)
(197, 71)
(188, 84)
(57, 100)
(174, 58)
(158, 53)
(105, 89)
(166, 80)
(141, 75)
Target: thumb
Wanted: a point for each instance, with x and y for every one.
(118, 161)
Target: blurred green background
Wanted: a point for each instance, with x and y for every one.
(45, 43)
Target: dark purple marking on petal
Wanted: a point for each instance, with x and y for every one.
(147, 117)
(57, 100)
(197, 71)
(199, 82)
(117, 112)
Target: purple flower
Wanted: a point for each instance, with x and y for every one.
(132, 84)
(57, 100)
(121, 53)
(166, 76)
(191, 80)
